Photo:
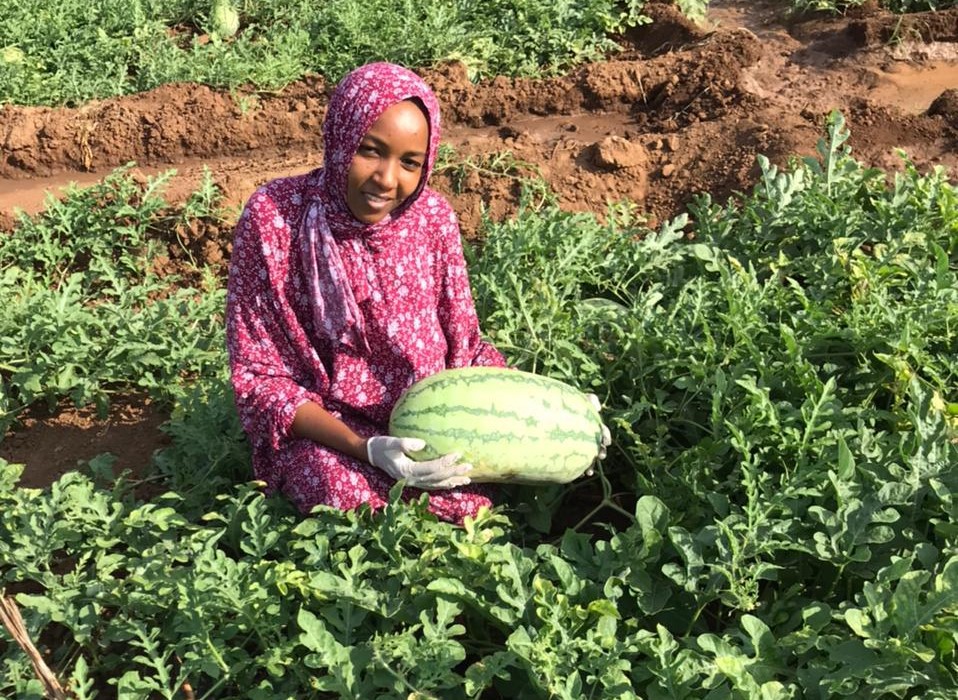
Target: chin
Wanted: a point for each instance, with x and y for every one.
(372, 218)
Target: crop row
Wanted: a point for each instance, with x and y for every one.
(74, 51)
(776, 518)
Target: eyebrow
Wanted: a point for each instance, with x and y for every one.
(380, 142)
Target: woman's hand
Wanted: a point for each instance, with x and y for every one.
(391, 455)
(606, 435)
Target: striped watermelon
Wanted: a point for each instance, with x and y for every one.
(512, 426)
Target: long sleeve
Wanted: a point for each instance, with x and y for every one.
(457, 309)
(270, 358)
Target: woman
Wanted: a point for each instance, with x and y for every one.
(348, 284)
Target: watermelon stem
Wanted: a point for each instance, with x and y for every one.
(608, 501)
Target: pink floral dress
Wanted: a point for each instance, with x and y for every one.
(323, 308)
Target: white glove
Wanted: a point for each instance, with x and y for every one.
(390, 454)
(606, 435)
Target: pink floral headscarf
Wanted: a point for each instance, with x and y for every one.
(357, 102)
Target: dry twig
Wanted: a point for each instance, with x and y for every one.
(13, 621)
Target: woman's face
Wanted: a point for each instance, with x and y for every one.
(389, 162)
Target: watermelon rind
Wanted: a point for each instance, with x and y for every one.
(512, 426)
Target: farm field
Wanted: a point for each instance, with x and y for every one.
(752, 82)
(740, 230)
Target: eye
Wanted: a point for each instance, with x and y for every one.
(367, 149)
(411, 164)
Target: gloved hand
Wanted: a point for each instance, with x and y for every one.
(606, 435)
(390, 454)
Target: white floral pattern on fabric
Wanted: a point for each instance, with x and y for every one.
(411, 302)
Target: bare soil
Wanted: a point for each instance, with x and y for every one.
(683, 109)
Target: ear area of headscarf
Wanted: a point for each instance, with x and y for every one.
(431, 152)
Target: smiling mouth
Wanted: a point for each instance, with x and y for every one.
(376, 200)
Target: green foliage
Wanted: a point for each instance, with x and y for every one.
(778, 517)
(84, 309)
(208, 451)
(249, 596)
(696, 10)
(785, 382)
(498, 164)
(74, 51)
(899, 6)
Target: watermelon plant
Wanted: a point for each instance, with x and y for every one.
(75, 52)
(775, 518)
(86, 309)
(899, 6)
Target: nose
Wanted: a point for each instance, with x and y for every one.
(387, 173)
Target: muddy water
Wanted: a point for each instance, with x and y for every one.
(30, 196)
(913, 74)
(757, 16)
(912, 87)
(584, 127)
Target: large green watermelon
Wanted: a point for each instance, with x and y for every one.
(512, 426)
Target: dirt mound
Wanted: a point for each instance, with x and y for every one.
(946, 106)
(683, 109)
(882, 28)
(167, 125)
(700, 102)
(669, 30)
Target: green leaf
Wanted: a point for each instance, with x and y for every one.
(315, 636)
(480, 674)
(846, 461)
(912, 609)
